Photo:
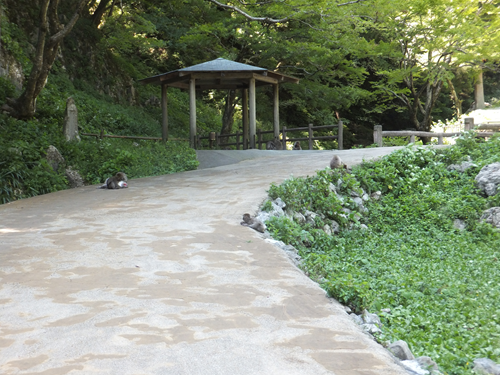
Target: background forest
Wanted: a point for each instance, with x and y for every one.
(400, 64)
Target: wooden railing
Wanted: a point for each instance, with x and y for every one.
(222, 140)
(102, 135)
(378, 133)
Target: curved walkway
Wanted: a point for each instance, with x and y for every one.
(160, 278)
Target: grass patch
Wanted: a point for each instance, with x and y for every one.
(440, 283)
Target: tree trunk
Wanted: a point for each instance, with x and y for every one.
(45, 55)
(99, 12)
(421, 116)
(228, 115)
(455, 98)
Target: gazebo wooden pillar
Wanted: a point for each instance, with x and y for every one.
(223, 75)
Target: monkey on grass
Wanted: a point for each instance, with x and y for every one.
(337, 163)
(253, 223)
(118, 181)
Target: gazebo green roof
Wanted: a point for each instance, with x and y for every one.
(219, 74)
(223, 75)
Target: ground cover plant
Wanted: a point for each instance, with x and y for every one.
(440, 283)
(25, 172)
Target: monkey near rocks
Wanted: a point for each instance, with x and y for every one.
(253, 223)
(336, 163)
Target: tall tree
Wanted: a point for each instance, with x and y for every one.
(435, 38)
(50, 35)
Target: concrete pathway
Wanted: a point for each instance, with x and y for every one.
(161, 278)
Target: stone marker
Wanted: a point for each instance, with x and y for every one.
(70, 126)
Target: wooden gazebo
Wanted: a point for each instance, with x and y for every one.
(226, 75)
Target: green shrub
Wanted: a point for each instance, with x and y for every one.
(438, 281)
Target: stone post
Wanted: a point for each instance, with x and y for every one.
(70, 125)
(377, 135)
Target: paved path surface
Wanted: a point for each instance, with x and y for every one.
(160, 278)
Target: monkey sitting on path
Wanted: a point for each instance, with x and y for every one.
(118, 181)
(275, 144)
(253, 223)
(296, 146)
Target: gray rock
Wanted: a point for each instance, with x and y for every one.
(485, 366)
(365, 197)
(492, 216)
(299, 217)
(310, 216)
(488, 178)
(357, 318)
(401, 350)
(327, 229)
(70, 125)
(376, 195)
(371, 328)
(335, 227)
(74, 178)
(11, 69)
(414, 368)
(387, 311)
(461, 167)
(428, 364)
(358, 201)
(277, 208)
(332, 188)
(460, 224)
(363, 227)
(346, 210)
(370, 318)
(263, 216)
(279, 203)
(54, 158)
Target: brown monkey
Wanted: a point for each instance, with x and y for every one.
(253, 223)
(296, 146)
(275, 144)
(118, 181)
(336, 163)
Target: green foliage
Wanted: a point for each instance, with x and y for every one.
(7, 89)
(438, 281)
(23, 170)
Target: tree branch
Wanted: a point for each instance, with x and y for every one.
(56, 38)
(248, 16)
(350, 2)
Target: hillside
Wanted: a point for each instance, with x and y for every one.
(96, 51)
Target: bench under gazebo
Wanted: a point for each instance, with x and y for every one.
(224, 75)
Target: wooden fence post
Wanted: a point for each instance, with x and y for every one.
(340, 133)
(377, 135)
(310, 136)
(468, 123)
(237, 141)
(283, 134)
